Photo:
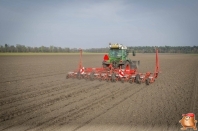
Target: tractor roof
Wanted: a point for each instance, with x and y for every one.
(116, 46)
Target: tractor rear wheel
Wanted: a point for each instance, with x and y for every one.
(125, 65)
(104, 65)
(135, 64)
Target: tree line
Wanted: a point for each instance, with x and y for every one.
(138, 49)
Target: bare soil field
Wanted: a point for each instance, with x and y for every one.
(34, 95)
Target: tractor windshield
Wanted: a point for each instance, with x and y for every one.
(115, 53)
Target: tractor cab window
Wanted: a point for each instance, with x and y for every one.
(115, 53)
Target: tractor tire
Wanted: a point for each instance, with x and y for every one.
(137, 79)
(135, 64)
(147, 81)
(126, 64)
(104, 65)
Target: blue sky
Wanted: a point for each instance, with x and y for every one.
(95, 23)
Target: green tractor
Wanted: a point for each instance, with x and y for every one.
(118, 57)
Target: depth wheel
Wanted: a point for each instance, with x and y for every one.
(122, 80)
(86, 77)
(91, 77)
(78, 75)
(67, 76)
(137, 79)
(147, 81)
(131, 81)
(113, 78)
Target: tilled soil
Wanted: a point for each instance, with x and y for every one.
(34, 95)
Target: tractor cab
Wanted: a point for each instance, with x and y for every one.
(117, 52)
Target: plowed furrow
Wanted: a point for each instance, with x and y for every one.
(19, 90)
(194, 95)
(81, 98)
(81, 110)
(67, 97)
(36, 93)
(108, 109)
(31, 77)
(6, 115)
(29, 94)
(29, 100)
